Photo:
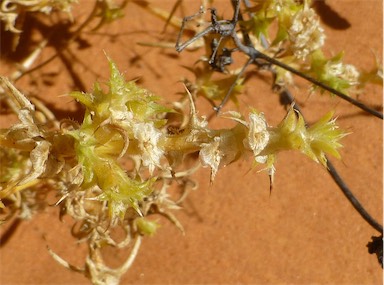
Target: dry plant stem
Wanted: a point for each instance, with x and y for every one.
(179, 48)
(255, 54)
(351, 198)
(224, 28)
(115, 273)
(171, 14)
(229, 92)
(322, 85)
(171, 20)
(25, 65)
(18, 97)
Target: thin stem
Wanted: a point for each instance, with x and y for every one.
(255, 54)
(322, 85)
(218, 108)
(128, 263)
(179, 47)
(351, 198)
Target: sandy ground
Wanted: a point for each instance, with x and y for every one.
(306, 232)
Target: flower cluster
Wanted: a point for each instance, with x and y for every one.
(120, 122)
(333, 72)
(346, 72)
(305, 33)
(83, 162)
(314, 141)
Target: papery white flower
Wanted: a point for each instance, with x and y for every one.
(199, 122)
(39, 157)
(344, 71)
(197, 125)
(334, 69)
(210, 155)
(148, 138)
(121, 114)
(235, 116)
(351, 74)
(379, 72)
(125, 119)
(258, 135)
(305, 33)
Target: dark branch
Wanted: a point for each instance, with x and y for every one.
(255, 54)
